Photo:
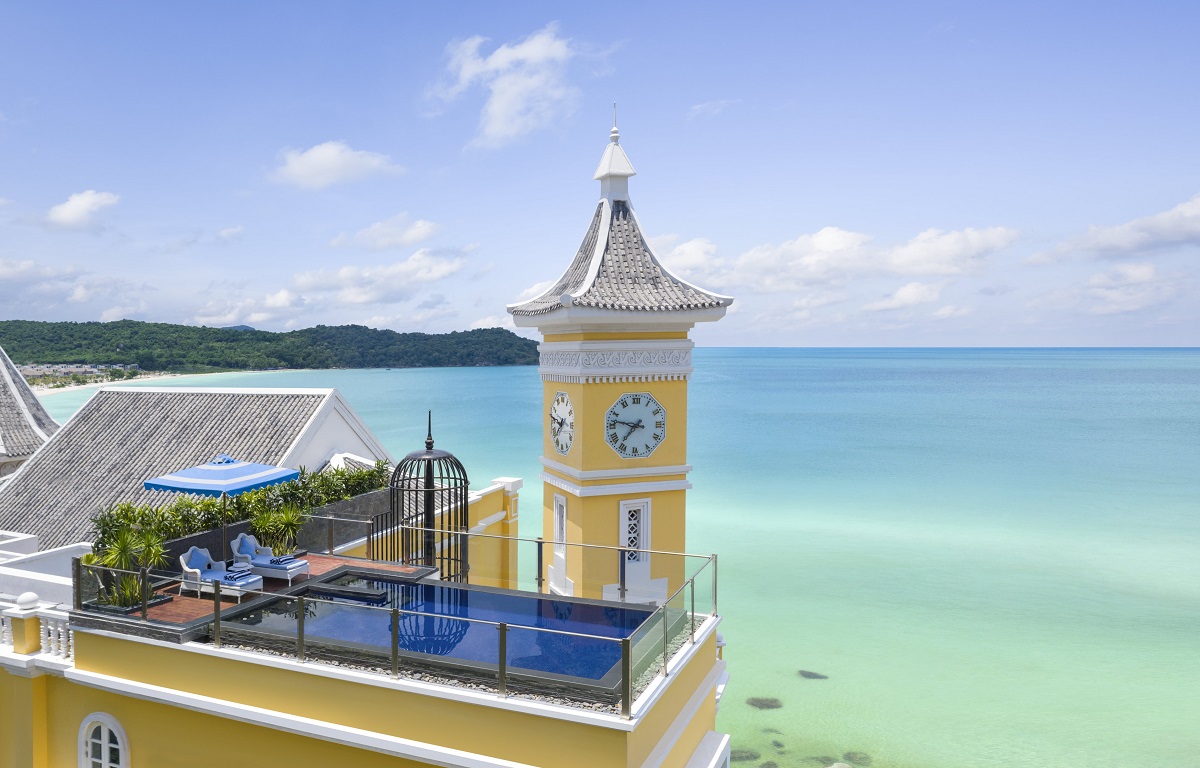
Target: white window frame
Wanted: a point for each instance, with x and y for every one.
(559, 583)
(109, 725)
(560, 527)
(643, 532)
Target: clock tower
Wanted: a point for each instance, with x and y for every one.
(615, 360)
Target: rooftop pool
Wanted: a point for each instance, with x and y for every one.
(450, 622)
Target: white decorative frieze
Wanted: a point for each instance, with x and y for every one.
(586, 361)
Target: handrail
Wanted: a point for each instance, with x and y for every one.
(627, 688)
(547, 541)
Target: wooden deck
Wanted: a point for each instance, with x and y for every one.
(187, 608)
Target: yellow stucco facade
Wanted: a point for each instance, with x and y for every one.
(196, 706)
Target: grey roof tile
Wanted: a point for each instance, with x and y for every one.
(629, 276)
(24, 423)
(120, 438)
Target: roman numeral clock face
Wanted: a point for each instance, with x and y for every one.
(562, 423)
(635, 425)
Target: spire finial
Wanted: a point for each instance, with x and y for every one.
(614, 136)
(429, 434)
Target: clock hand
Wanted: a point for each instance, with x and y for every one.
(632, 427)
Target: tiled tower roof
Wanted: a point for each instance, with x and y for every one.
(615, 268)
(24, 423)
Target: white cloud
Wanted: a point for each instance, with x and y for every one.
(829, 255)
(493, 321)
(384, 283)
(526, 83)
(395, 232)
(333, 162)
(122, 312)
(1128, 288)
(693, 260)
(4, 201)
(934, 252)
(835, 256)
(1178, 226)
(710, 108)
(907, 295)
(78, 210)
(535, 290)
(231, 233)
(949, 311)
(281, 299)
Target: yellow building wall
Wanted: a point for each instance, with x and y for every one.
(596, 520)
(161, 735)
(591, 402)
(461, 725)
(662, 715)
(42, 717)
(493, 561)
(23, 721)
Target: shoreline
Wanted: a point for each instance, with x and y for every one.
(41, 389)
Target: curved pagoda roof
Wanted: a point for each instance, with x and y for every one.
(24, 423)
(615, 268)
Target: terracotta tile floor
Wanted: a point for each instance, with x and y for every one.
(185, 608)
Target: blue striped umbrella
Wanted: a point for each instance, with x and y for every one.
(224, 476)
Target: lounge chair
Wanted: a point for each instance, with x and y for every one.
(263, 562)
(200, 571)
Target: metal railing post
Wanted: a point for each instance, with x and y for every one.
(666, 638)
(144, 583)
(395, 642)
(714, 585)
(300, 628)
(692, 581)
(540, 564)
(76, 584)
(329, 551)
(621, 572)
(626, 678)
(503, 660)
(216, 612)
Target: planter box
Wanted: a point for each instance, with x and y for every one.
(122, 610)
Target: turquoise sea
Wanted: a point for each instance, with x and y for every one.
(993, 555)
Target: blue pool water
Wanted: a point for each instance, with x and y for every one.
(447, 631)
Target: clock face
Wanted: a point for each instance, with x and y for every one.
(635, 425)
(562, 423)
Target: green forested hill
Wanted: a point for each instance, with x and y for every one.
(186, 348)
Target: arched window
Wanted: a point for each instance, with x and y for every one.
(102, 743)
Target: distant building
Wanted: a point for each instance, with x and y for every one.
(24, 423)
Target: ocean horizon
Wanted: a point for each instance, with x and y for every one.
(988, 554)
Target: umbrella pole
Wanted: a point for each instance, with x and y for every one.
(224, 530)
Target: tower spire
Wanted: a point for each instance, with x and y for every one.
(615, 169)
(429, 433)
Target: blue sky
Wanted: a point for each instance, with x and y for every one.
(855, 174)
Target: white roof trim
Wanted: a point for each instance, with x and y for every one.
(597, 253)
(663, 267)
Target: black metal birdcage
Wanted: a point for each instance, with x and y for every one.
(427, 522)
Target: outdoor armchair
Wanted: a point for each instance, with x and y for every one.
(264, 562)
(200, 571)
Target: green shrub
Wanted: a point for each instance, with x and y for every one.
(186, 515)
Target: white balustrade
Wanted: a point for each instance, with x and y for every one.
(6, 635)
(57, 637)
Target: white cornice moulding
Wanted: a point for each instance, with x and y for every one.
(616, 489)
(659, 358)
(612, 474)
